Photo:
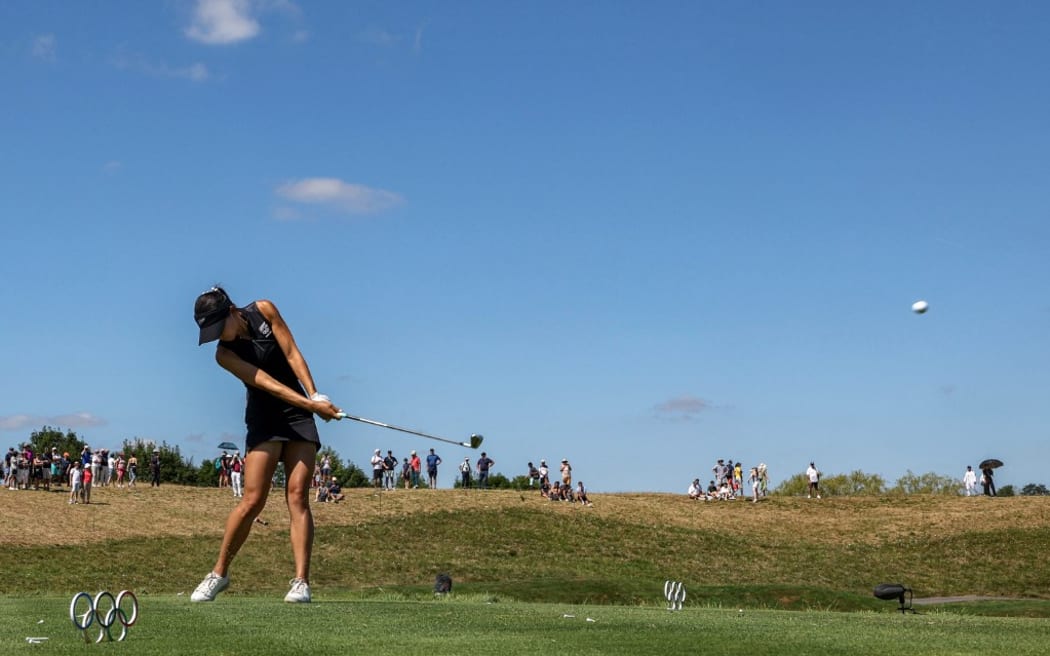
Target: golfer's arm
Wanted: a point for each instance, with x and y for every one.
(249, 374)
(284, 338)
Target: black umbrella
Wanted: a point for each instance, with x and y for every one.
(228, 446)
(991, 463)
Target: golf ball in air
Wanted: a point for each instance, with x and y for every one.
(920, 307)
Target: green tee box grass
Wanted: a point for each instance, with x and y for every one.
(522, 564)
(257, 625)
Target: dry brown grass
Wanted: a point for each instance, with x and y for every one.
(852, 520)
(174, 511)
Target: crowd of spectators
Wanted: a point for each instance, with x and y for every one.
(231, 472)
(558, 490)
(728, 483)
(478, 475)
(329, 491)
(24, 469)
(388, 473)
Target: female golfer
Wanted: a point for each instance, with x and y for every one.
(256, 346)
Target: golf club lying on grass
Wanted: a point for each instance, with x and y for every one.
(475, 439)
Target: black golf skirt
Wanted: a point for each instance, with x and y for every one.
(297, 431)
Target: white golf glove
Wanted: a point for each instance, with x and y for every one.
(317, 396)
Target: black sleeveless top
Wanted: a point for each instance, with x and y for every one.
(265, 415)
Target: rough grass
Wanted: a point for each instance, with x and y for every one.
(789, 553)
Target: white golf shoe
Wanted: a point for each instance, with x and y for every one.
(210, 587)
(300, 592)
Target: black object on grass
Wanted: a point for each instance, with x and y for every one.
(895, 591)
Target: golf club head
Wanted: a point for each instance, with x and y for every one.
(475, 440)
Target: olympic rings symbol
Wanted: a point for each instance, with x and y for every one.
(105, 609)
(674, 591)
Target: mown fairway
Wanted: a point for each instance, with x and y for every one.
(520, 563)
(242, 625)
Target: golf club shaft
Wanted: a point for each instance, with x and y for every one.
(343, 415)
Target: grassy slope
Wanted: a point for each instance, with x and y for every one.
(782, 553)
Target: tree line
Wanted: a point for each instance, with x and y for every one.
(858, 483)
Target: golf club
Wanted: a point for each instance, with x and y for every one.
(475, 439)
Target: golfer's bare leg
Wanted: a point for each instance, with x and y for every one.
(299, 460)
(259, 466)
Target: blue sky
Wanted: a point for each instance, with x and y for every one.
(640, 236)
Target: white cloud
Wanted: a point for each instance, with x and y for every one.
(44, 47)
(285, 213)
(17, 422)
(383, 38)
(377, 36)
(682, 407)
(220, 22)
(112, 166)
(74, 420)
(342, 196)
(79, 420)
(417, 42)
(196, 72)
